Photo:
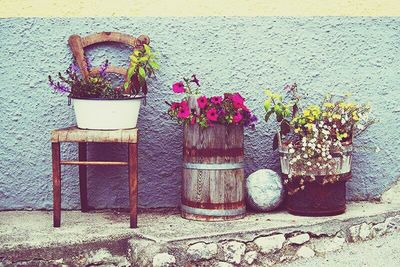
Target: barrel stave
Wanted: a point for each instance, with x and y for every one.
(213, 176)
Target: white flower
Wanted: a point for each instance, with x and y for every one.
(329, 156)
(308, 163)
(343, 121)
(291, 151)
(290, 145)
(305, 156)
(360, 126)
(298, 157)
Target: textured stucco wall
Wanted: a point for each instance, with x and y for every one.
(322, 54)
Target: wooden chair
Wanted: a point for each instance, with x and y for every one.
(82, 137)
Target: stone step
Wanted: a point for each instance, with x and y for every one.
(165, 239)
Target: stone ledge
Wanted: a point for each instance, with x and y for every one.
(263, 237)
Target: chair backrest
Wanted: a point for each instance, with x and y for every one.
(78, 44)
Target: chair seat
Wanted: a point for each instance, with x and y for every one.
(74, 134)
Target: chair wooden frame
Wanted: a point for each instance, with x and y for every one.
(82, 137)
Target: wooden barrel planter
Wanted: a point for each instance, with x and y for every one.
(213, 176)
(318, 199)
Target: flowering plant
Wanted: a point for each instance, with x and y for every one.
(97, 85)
(315, 133)
(207, 111)
(143, 64)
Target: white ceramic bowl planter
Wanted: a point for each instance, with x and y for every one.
(107, 114)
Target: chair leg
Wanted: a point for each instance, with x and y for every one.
(56, 158)
(83, 177)
(133, 183)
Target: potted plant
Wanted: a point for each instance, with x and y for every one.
(315, 145)
(98, 103)
(213, 176)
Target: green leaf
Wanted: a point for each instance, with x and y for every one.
(126, 84)
(131, 70)
(147, 48)
(143, 59)
(142, 73)
(136, 52)
(154, 65)
(278, 109)
(269, 113)
(133, 59)
(268, 92)
(267, 104)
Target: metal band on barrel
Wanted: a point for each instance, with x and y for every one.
(215, 166)
(207, 212)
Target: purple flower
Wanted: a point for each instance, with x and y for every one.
(74, 68)
(103, 68)
(59, 87)
(195, 80)
(253, 118)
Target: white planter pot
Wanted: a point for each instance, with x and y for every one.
(104, 114)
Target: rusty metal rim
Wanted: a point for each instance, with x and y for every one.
(213, 152)
(220, 206)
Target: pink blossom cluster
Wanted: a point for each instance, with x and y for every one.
(206, 111)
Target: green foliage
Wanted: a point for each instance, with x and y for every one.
(142, 65)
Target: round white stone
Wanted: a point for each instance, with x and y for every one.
(264, 190)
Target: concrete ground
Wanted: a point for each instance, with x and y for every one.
(27, 233)
(379, 252)
(34, 228)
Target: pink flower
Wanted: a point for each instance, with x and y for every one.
(184, 104)
(216, 100)
(178, 87)
(175, 105)
(193, 120)
(237, 117)
(212, 114)
(245, 108)
(183, 112)
(237, 100)
(202, 101)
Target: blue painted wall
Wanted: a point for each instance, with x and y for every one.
(322, 54)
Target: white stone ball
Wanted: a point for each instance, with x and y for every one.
(264, 190)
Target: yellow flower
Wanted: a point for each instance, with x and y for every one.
(328, 105)
(297, 130)
(309, 126)
(336, 116)
(306, 112)
(355, 116)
